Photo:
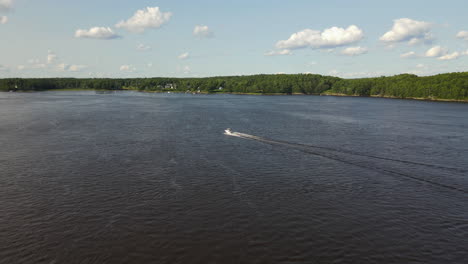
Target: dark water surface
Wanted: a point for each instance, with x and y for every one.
(150, 178)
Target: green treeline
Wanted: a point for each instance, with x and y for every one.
(452, 86)
(443, 86)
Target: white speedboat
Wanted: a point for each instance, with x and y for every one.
(228, 131)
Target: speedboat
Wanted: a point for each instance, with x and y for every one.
(228, 131)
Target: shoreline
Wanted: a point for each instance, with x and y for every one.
(432, 99)
(429, 99)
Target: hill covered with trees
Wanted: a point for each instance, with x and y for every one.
(450, 86)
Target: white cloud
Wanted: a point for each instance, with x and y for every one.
(278, 52)
(183, 56)
(34, 64)
(361, 74)
(3, 19)
(354, 51)
(436, 51)
(4, 68)
(463, 35)
(151, 17)
(329, 38)
(20, 67)
(443, 54)
(451, 56)
(417, 41)
(127, 68)
(76, 68)
(405, 29)
(96, 33)
(51, 57)
(409, 55)
(202, 31)
(6, 5)
(143, 47)
(71, 68)
(124, 67)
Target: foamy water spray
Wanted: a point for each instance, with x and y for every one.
(228, 132)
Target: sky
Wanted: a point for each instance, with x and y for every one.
(182, 38)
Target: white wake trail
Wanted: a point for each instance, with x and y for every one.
(228, 132)
(343, 156)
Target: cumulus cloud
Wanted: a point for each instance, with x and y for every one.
(443, 54)
(51, 57)
(361, 74)
(278, 52)
(32, 64)
(3, 19)
(127, 68)
(71, 68)
(450, 56)
(329, 38)
(76, 68)
(354, 51)
(143, 47)
(183, 56)
(96, 33)
(463, 35)
(408, 30)
(409, 55)
(202, 31)
(436, 51)
(6, 5)
(151, 17)
(37, 66)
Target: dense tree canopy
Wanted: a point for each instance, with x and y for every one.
(442, 86)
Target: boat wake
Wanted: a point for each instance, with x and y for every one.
(348, 157)
(243, 135)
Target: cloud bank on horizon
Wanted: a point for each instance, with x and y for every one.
(109, 45)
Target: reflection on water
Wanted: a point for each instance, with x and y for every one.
(106, 92)
(137, 178)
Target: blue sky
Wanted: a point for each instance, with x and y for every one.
(123, 38)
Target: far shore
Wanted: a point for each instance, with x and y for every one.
(432, 99)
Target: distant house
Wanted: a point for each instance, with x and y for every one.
(170, 86)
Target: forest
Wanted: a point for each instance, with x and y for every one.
(449, 86)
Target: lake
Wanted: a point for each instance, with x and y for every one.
(128, 177)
